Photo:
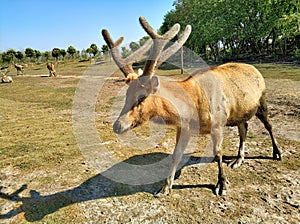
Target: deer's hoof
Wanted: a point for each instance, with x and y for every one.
(221, 187)
(236, 162)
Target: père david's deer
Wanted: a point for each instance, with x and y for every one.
(51, 69)
(229, 94)
(20, 69)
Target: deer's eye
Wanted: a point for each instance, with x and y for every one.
(141, 98)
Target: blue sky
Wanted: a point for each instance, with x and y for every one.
(46, 24)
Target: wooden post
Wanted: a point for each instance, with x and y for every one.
(181, 60)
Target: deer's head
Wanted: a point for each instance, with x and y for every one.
(141, 95)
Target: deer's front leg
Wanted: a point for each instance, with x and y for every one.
(217, 138)
(182, 139)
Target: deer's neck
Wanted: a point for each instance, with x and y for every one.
(181, 102)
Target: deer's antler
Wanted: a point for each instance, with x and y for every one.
(157, 55)
(125, 65)
(160, 42)
(175, 46)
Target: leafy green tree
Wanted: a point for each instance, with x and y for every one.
(104, 49)
(72, 51)
(56, 53)
(134, 46)
(37, 54)
(125, 52)
(46, 55)
(237, 28)
(19, 55)
(30, 53)
(94, 49)
(8, 56)
(143, 40)
(89, 51)
(63, 53)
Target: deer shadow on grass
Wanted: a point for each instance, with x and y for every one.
(37, 206)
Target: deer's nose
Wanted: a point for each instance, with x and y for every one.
(117, 127)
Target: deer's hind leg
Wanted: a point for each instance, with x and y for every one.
(262, 115)
(243, 127)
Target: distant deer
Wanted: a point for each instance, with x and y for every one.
(229, 94)
(4, 77)
(20, 69)
(51, 69)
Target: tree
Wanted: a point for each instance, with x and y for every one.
(56, 53)
(89, 51)
(94, 49)
(8, 56)
(37, 54)
(63, 53)
(125, 52)
(71, 50)
(134, 46)
(30, 53)
(143, 40)
(232, 29)
(19, 55)
(46, 55)
(104, 49)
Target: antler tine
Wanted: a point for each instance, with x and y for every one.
(125, 65)
(109, 41)
(175, 46)
(154, 35)
(159, 43)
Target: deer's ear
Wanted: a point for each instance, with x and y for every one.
(155, 83)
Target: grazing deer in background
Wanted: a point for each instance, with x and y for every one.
(229, 94)
(20, 69)
(51, 69)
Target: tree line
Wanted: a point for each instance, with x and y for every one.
(226, 30)
(35, 56)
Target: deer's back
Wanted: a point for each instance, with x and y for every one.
(233, 88)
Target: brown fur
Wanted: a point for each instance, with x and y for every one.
(208, 100)
(20, 69)
(51, 68)
(229, 94)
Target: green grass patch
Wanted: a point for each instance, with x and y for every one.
(279, 71)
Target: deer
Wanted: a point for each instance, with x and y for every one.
(4, 77)
(226, 95)
(20, 69)
(51, 69)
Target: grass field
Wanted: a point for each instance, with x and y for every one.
(45, 178)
